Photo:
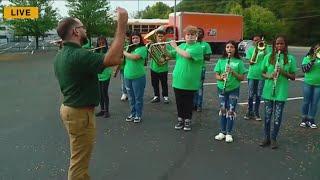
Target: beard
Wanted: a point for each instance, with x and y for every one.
(83, 40)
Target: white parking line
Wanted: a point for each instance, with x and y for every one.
(289, 99)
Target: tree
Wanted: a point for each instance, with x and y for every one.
(35, 27)
(94, 15)
(159, 10)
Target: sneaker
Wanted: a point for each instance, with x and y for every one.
(229, 138)
(199, 109)
(274, 144)
(137, 119)
(265, 143)
(303, 124)
(106, 115)
(257, 117)
(101, 113)
(249, 115)
(220, 137)
(312, 125)
(187, 125)
(129, 118)
(124, 97)
(180, 124)
(166, 99)
(155, 99)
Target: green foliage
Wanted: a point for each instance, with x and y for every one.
(95, 15)
(159, 11)
(35, 27)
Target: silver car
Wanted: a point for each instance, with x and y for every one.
(243, 47)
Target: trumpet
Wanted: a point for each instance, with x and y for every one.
(227, 74)
(275, 78)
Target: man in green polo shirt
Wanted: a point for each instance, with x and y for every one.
(76, 70)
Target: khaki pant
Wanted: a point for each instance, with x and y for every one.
(80, 124)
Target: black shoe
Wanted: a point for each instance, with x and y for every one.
(166, 100)
(257, 117)
(180, 124)
(248, 116)
(187, 125)
(101, 113)
(106, 115)
(265, 143)
(129, 118)
(155, 99)
(274, 144)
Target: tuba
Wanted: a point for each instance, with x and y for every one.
(159, 53)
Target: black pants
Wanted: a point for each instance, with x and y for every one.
(159, 77)
(184, 101)
(104, 95)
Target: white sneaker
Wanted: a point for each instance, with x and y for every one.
(124, 97)
(229, 138)
(220, 137)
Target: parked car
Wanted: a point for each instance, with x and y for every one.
(243, 47)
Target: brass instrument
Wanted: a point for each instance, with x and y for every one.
(317, 52)
(158, 52)
(275, 78)
(227, 74)
(261, 46)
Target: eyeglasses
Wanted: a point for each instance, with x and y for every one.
(80, 27)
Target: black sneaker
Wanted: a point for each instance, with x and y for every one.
(265, 143)
(248, 116)
(137, 119)
(166, 100)
(274, 144)
(129, 118)
(106, 115)
(155, 99)
(101, 113)
(257, 117)
(180, 124)
(187, 125)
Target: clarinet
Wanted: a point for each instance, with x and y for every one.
(275, 78)
(227, 74)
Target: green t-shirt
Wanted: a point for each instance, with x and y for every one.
(282, 85)
(255, 70)
(313, 76)
(232, 82)
(76, 70)
(206, 49)
(134, 69)
(163, 68)
(106, 74)
(187, 72)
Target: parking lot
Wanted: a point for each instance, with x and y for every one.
(34, 144)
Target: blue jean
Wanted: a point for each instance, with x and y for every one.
(135, 89)
(123, 83)
(198, 96)
(311, 97)
(275, 108)
(228, 102)
(255, 88)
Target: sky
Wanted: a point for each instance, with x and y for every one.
(132, 6)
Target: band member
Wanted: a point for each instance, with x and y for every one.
(159, 73)
(198, 97)
(76, 70)
(255, 55)
(230, 71)
(120, 68)
(134, 75)
(311, 87)
(104, 80)
(186, 75)
(279, 67)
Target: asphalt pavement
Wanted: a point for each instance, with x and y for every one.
(34, 143)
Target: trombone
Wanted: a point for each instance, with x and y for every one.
(317, 53)
(261, 46)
